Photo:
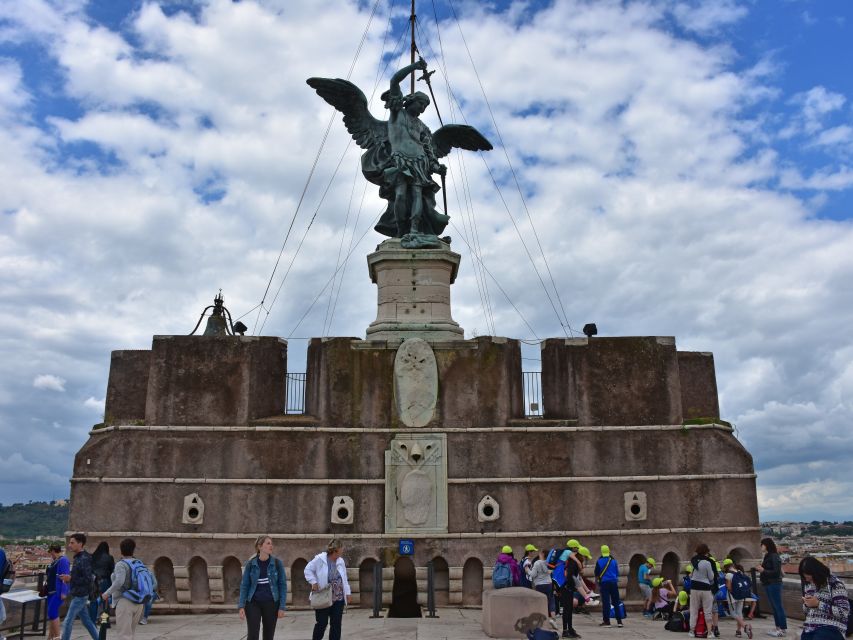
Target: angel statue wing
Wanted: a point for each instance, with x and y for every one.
(343, 95)
(458, 135)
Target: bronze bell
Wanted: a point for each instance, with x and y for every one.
(217, 324)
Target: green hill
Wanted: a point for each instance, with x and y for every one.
(27, 521)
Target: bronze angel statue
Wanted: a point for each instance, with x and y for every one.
(401, 154)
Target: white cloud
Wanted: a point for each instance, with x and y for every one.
(708, 15)
(654, 196)
(49, 382)
(93, 403)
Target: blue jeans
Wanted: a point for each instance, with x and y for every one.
(548, 590)
(77, 606)
(823, 632)
(148, 606)
(609, 595)
(322, 617)
(774, 594)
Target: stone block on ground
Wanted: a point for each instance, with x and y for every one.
(503, 608)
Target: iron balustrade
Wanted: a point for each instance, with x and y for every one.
(295, 393)
(532, 382)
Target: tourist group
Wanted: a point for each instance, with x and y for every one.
(707, 589)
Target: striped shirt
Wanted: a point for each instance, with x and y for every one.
(833, 608)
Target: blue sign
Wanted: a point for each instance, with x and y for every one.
(407, 547)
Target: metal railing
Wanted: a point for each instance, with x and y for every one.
(295, 393)
(532, 383)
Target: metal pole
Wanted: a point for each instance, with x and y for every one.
(431, 590)
(414, 48)
(37, 616)
(377, 590)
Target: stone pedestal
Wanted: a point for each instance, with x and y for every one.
(508, 613)
(413, 292)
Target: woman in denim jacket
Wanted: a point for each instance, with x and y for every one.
(263, 590)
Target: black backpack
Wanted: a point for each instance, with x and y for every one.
(677, 622)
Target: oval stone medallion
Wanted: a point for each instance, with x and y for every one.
(415, 382)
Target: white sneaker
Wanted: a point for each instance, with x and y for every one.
(691, 635)
(143, 621)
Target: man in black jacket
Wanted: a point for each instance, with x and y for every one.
(80, 587)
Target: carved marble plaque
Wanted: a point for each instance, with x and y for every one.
(415, 382)
(416, 484)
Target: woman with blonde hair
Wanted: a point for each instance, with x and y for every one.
(263, 590)
(327, 575)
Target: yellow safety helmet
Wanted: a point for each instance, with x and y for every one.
(688, 568)
(657, 582)
(651, 561)
(605, 551)
(530, 547)
(506, 549)
(727, 562)
(585, 552)
(573, 544)
(683, 598)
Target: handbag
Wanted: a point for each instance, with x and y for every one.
(321, 599)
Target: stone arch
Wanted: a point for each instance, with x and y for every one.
(404, 593)
(199, 581)
(739, 554)
(299, 586)
(670, 566)
(365, 583)
(232, 574)
(632, 591)
(441, 577)
(472, 582)
(164, 572)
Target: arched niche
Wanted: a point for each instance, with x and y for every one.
(670, 567)
(441, 577)
(404, 594)
(299, 586)
(232, 574)
(164, 572)
(199, 582)
(632, 591)
(472, 582)
(365, 583)
(739, 554)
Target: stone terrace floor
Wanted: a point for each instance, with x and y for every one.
(452, 624)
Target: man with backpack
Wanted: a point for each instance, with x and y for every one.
(506, 572)
(132, 586)
(80, 582)
(607, 575)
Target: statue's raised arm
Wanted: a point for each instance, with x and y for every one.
(401, 154)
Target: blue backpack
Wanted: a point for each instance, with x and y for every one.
(139, 586)
(525, 581)
(741, 586)
(501, 576)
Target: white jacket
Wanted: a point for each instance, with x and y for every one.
(317, 572)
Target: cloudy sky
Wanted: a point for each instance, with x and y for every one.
(687, 167)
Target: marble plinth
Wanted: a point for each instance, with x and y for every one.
(413, 298)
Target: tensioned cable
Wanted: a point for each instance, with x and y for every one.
(329, 281)
(517, 184)
(310, 176)
(341, 245)
(470, 221)
(498, 284)
(307, 229)
(349, 253)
